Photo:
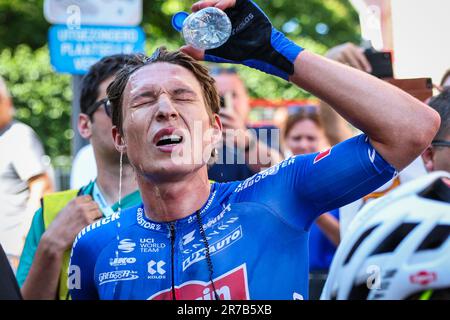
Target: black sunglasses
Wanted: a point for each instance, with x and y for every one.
(440, 143)
(105, 102)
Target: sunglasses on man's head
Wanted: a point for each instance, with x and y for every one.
(105, 102)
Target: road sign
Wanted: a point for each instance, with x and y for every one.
(74, 13)
(75, 50)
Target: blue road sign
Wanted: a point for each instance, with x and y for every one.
(75, 50)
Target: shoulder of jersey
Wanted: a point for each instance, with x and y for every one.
(104, 230)
(224, 189)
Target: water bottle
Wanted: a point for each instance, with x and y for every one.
(206, 29)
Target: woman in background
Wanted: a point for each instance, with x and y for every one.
(303, 134)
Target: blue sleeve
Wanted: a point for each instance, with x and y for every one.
(81, 280)
(301, 188)
(31, 244)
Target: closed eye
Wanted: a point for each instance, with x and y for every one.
(183, 94)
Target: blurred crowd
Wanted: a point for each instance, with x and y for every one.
(38, 225)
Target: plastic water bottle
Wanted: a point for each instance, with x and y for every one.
(206, 29)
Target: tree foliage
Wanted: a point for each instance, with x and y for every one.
(42, 97)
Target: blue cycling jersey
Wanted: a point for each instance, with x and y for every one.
(256, 230)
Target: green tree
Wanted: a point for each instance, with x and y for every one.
(41, 97)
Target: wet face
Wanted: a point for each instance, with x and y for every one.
(231, 83)
(167, 131)
(304, 137)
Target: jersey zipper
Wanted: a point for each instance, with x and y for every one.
(172, 242)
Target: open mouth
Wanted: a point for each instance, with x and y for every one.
(167, 140)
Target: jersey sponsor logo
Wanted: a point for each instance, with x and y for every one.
(322, 155)
(214, 248)
(101, 222)
(188, 237)
(116, 262)
(264, 174)
(423, 278)
(146, 224)
(149, 245)
(156, 270)
(126, 245)
(119, 275)
(217, 229)
(217, 218)
(231, 286)
(212, 221)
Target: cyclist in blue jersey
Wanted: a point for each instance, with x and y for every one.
(192, 239)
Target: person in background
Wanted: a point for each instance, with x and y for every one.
(23, 177)
(241, 144)
(338, 129)
(437, 155)
(42, 272)
(84, 169)
(445, 83)
(304, 134)
(405, 206)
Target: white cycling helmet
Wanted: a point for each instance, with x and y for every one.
(398, 247)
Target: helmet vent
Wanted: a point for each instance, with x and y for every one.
(358, 243)
(391, 242)
(435, 238)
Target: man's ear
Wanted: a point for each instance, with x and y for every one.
(427, 157)
(217, 126)
(119, 141)
(84, 126)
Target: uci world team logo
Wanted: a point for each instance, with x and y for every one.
(126, 245)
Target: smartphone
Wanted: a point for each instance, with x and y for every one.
(381, 63)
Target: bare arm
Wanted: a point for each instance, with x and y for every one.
(38, 186)
(43, 278)
(330, 227)
(337, 129)
(399, 126)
